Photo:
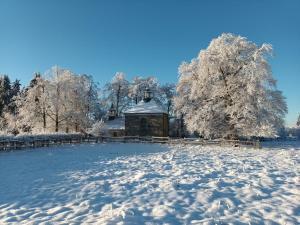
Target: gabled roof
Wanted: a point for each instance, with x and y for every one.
(146, 107)
(116, 124)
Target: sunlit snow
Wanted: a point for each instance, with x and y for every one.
(150, 184)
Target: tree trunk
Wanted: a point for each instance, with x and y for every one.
(56, 122)
(57, 110)
(44, 109)
(181, 127)
(44, 119)
(232, 133)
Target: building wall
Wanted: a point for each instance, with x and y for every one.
(114, 133)
(146, 125)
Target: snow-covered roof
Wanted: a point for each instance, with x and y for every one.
(146, 107)
(116, 124)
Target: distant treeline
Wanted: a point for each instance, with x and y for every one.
(227, 91)
(62, 101)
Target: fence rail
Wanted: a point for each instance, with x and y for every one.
(36, 142)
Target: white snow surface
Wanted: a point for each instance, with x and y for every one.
(146, 107)
(150, 184)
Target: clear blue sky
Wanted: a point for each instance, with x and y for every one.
(143, 37)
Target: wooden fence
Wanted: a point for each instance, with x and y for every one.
(36, 142)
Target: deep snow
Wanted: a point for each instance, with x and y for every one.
(150, 184)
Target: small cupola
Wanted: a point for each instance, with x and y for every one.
(112, 112)
(148, 95)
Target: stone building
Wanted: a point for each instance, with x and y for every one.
(114, 126)
(147, 118)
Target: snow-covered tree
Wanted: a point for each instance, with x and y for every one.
(122, 93)
(71, 99)
(8, 107)
(14, 92)
(5, 88)
(140, 84)
(228, 90)
(32, 106)
(116, 92)
(96, 128)
(82, 102)
(58, 91)
(166, 93)
(58, 101)
(162, 94)
(298, 121)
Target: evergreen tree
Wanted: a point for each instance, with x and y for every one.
(5, 93)
(14, 92)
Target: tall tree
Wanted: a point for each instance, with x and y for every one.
(83, 99)
(229, 91)
(166, 94)
(14, 92)
(116, 92)
(59, 90)
(31, 103)
(140, 84)
(298, 122)
(5, 92)
(8, 106)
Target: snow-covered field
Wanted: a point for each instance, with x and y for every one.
(150, 184)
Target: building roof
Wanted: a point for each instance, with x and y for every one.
(116, 124)
(146, 107)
